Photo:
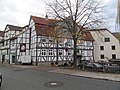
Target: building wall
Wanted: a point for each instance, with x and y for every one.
(15, 52)
(9, 48)
(33, 40)
(99, 37)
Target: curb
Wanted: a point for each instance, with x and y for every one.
(86, 76)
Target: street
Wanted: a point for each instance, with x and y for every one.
(28, 79)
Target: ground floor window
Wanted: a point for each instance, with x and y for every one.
(113, 56)
(60, 52)
(102, 56)
(50, 52)
(43, 52)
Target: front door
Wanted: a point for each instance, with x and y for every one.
(13, 59)
(3, 58)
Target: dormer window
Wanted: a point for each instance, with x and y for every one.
(43, 40)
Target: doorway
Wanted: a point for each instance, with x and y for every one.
(13, 59)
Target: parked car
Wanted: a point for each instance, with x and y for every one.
(93, 66)
(0, 79)
(112, 68)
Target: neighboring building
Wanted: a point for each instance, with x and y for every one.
(1, 35)
(106, 45)
(19, 47)
(1, 43)
(9, 32)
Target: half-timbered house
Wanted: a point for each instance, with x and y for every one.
(19, 47)
(44, 48)
(9, 32)
(1, 43)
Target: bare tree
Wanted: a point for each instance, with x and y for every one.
(118, 16)
(74, 17)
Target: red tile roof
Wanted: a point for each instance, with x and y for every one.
(88, 36)
(42, 25)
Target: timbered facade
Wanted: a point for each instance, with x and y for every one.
(19, 47)
(32, 43)
(44, 48)
(9, 32)
(1, 43)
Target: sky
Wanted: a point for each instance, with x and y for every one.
(17, 12)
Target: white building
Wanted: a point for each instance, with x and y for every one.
(106, 45)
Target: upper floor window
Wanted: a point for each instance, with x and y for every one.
(88, 43)
(107, 39)
(113, 47)
(101, 47)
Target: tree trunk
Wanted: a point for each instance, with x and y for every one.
(74, 54)
(57, 52)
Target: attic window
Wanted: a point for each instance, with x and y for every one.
(42, 28)
(107, 39)
(50, 40)
(43, 40)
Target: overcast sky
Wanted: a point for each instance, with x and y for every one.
(17, 12)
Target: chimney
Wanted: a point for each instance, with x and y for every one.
(46, 17)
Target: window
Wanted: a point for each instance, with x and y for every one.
(12, 42)
(42, 28)
(69, 53)
(113, 47)
(6, 43)
(50, 52)
(43, 52)
(89, 53)
(43, 40)
(51, 41)
(107, 39)
(101, 47)
(60, 52)
(102, 56)
(88, 43)
(113, 56)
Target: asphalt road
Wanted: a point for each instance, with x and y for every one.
(24, 79)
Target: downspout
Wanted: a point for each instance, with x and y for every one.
(36, 50)
(93, 51)
(30, 53)
(16, 53)
(57, 52)
(9, 51)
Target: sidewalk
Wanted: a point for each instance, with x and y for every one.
(95, 75)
